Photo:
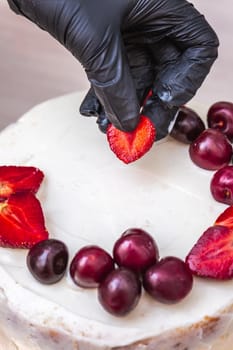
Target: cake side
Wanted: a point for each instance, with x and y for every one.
(79, 167)
(22, 332)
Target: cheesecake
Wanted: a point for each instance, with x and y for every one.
(89, 196)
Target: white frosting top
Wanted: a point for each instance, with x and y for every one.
(89, 196)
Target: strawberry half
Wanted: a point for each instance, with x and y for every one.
(21, 221)
(212, 255)
(226, 218)
(130, 146)
(19, 178)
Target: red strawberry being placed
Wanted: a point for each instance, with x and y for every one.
(212, 255)
(21, 221)
(15, 179)
(130, 146)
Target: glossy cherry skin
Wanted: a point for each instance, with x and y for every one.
(120, 292)
(90, 266)
(221, 185)
(188, 125)
(211, 150)
(220, 117)
(168, 281)
(47, 261)
(135, 250)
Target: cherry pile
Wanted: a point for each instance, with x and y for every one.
(118, 278)
(210, 148)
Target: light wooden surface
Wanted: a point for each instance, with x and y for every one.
(34, 67)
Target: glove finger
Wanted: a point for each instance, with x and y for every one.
(164, 53)
(102, 121)
(141, 67)
(184, 25)
(21, 7)
(142, 71)
(90, 106)
(162, 116)
(110, 76)
(146, 61)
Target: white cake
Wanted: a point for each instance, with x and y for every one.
(89, 196)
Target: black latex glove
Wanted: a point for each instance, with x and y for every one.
(144, 65)
(116, 42)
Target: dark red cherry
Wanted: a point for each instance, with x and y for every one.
(221, 185)
(47, 260)
(220, 117)
(188, 125)
(90, 266)
(135, 250)
(168, 281)
(211, 150)
(120, 292)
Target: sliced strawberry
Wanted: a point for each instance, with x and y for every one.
(19, 178)
(226, 218)
(212, 255)
(21, 221)
(130, 146)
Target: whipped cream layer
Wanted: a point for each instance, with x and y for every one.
(88, 196)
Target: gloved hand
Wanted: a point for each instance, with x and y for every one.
(144, 71)
(124, 48)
